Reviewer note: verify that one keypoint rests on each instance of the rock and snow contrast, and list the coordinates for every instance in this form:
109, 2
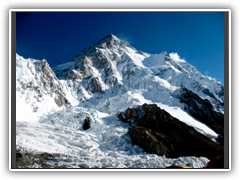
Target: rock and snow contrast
73, 109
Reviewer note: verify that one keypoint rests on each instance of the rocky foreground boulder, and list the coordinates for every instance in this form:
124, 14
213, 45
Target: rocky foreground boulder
29, 160
157, 132
86, 124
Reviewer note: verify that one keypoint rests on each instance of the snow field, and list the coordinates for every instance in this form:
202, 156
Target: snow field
105, 145
28, 100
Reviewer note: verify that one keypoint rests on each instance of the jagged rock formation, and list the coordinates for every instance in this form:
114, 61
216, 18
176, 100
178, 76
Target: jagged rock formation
93, 70
156, 131
36, 83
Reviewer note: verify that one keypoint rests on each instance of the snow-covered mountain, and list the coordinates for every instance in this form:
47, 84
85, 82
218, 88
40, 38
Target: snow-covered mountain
112, 76
100, 81
38, 90
113, 67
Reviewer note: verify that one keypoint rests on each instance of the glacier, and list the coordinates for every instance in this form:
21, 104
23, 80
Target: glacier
105, 145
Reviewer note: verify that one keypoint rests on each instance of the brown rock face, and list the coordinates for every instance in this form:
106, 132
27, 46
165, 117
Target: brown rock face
156, 131
130, 115
61, 100
151, 141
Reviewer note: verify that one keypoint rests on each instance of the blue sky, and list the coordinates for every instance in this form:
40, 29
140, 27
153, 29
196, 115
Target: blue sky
197, 37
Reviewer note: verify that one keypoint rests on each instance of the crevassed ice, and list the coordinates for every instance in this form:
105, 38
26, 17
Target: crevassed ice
105, 145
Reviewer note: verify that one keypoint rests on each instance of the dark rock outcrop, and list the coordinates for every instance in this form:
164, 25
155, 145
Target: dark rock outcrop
86, 124
156, 131
202, 110
130, 116
151, 141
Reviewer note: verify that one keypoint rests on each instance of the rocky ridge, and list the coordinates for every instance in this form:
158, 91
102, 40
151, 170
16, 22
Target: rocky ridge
37, 82
202, 110
112, 66
156, 131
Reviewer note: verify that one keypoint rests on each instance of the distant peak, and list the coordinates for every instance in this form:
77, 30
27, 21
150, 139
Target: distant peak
111, 36
108, 36
109, 41
115, 37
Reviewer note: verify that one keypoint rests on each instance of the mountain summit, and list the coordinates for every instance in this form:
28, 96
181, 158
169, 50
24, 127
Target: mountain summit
111, 41
112, 64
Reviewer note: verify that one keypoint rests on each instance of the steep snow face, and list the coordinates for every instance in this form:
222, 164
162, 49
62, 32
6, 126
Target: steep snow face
38, 91
112, 67
213, 86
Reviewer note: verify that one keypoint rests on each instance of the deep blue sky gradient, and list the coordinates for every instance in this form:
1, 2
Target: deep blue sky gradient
198, 37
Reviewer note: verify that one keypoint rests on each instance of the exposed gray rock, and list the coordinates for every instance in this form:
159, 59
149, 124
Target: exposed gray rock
73, 75
61, 100
156, 131
96, 85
